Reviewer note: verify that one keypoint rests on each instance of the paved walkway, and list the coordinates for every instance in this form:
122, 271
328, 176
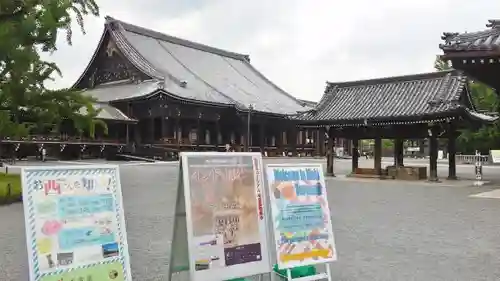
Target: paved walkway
384, 230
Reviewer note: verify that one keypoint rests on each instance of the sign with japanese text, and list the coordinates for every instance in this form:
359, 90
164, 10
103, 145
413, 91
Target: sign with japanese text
75, 226
224, 213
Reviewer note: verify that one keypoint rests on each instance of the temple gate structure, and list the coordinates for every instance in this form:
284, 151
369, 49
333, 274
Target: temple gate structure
429, 105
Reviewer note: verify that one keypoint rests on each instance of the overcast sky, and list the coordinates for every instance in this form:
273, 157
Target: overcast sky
297, 44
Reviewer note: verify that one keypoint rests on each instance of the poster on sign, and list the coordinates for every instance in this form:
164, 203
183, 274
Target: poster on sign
75, 227
300, 215
226, 225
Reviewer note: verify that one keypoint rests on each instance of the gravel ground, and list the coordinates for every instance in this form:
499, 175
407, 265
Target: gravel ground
384, 230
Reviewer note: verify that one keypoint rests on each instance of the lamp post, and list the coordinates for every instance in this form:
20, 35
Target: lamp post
250, 108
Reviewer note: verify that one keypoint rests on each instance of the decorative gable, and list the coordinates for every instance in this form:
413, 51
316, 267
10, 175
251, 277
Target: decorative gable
108, 65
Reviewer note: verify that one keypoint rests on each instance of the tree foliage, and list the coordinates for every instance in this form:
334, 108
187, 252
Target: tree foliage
28, 28
485, 100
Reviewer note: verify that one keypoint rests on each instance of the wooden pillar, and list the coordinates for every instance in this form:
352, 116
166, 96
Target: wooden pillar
262, 137
401, 153
279, 142
330, 155
152, 130
452, 151
178, 130
217, 133
355, 155
293, 140
321, 142
433, 154
129, 111
377, 156
246, 132
398, 152
303, 140
199, 131
316, 142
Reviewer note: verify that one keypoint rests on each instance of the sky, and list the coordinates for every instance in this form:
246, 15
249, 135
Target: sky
298, 44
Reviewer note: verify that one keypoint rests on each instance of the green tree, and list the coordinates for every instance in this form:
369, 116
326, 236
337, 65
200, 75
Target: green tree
441, 65
387, 144
27, 28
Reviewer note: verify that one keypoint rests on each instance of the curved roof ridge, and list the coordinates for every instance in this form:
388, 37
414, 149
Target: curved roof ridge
175, 40
131, 53
487, 39
393, 79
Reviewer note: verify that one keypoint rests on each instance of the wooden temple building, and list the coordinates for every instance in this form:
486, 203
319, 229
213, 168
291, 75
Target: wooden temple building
188, 96
430, 105
160, 95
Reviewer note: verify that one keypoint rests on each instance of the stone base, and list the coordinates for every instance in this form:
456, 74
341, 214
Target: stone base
392, 172
407, 173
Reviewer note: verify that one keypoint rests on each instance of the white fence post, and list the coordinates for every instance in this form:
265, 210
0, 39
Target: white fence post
478, 168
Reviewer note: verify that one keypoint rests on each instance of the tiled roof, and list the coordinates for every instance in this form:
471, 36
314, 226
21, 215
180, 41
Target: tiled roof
108, 112
308, 103
124, 91
486, 40
412, 97
194, 71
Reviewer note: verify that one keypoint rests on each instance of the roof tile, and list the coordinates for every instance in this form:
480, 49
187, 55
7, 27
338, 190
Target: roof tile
210, 74
486, 40
386, 98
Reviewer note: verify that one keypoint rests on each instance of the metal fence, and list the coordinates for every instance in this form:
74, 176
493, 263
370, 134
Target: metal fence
471, 159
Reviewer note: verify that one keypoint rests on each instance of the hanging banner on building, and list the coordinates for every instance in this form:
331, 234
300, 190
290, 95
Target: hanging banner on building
75, 226
300, 215
226, 225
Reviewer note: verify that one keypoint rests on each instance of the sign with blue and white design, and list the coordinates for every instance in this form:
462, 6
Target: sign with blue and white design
75, 227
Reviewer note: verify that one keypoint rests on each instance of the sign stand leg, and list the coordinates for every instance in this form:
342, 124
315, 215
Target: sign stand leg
289, 274
328, 272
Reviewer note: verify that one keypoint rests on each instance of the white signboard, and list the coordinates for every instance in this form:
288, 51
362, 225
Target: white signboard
303, 232
495, 156
75, 227
224, 217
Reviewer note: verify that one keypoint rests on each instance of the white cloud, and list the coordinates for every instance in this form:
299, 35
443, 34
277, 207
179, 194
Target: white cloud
298, 44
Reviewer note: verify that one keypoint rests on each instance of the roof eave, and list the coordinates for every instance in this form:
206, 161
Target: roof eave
117, 120
479, 117
388, 120
464, 54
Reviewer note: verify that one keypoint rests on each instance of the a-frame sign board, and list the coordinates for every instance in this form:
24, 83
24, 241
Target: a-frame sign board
219, 226
301, 220
179, 254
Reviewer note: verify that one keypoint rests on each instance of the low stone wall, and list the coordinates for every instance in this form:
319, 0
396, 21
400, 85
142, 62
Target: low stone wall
7, 169
391, 172
407, 173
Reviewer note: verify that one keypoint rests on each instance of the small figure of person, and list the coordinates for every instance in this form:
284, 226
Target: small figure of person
44, 154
